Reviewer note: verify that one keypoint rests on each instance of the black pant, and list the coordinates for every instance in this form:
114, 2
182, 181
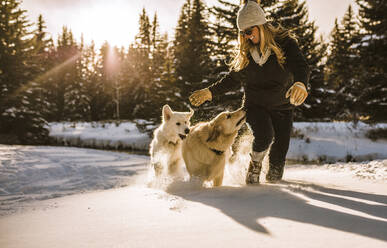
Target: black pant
268, 125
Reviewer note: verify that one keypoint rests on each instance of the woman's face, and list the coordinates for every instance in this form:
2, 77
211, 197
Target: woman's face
252, 34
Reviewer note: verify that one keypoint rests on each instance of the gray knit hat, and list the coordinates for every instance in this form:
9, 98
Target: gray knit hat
250, 14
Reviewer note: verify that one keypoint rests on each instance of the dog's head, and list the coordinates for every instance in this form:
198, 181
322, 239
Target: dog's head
226, 123
177, 124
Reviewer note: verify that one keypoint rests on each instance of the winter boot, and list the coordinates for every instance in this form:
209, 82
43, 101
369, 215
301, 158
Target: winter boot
255, 166
275, 173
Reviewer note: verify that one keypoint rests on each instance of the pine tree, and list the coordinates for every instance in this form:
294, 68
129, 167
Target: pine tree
107, 68
63, 74
91, 82
42, 43
132, 87
14, 46
94, 84
143, 67
199, 43
42, 62
343, 67
224, 32
158, 51
163, 84
99, 89
373, 52
76, 106
159, 46
192, 48
20, 121
144, 46
293, 15
155, 33
181, 46
169, 87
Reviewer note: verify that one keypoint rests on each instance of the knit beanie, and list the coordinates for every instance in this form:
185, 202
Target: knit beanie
250, 14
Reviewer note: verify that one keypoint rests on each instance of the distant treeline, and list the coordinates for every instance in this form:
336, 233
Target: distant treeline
42, 79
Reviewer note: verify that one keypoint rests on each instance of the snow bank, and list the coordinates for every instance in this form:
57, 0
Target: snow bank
317, 142
100, 135
338, 141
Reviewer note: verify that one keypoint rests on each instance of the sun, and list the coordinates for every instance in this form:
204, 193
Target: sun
104, 21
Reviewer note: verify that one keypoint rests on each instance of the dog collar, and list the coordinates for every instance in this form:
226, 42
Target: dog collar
217, 152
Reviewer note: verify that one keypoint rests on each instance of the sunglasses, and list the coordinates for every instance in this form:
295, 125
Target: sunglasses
247, 31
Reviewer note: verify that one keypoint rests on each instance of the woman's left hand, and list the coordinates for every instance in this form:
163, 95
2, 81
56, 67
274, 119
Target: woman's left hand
297, 93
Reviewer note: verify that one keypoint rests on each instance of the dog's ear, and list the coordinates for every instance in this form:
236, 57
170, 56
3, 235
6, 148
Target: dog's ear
191, 112
214, 132
167, 112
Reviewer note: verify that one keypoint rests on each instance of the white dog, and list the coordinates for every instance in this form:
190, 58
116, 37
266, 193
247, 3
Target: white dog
165, 148
208, 146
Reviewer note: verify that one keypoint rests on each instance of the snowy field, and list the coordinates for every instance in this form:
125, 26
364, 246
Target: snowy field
75, 197
30, 173
78, 197
100, 135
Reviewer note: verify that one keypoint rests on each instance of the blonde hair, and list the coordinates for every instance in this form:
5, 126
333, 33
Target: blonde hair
244, 1
268, 34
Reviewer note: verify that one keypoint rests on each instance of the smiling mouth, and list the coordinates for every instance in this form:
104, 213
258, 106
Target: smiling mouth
182, 136
241, 120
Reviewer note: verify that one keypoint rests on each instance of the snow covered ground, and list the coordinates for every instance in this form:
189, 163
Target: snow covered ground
29, 173
337, 141
78, 197
100, 135
321, 142
60, 197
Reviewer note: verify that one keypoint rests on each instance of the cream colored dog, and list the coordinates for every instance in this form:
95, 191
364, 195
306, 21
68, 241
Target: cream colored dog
165, 148
208, 145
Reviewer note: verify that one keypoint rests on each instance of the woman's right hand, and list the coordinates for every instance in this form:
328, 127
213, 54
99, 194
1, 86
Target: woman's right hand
200, 96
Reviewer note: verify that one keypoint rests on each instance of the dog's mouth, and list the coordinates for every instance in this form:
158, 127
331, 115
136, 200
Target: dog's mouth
182, 136
241, 120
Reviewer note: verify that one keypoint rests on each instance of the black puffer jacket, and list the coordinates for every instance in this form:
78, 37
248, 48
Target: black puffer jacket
267, 85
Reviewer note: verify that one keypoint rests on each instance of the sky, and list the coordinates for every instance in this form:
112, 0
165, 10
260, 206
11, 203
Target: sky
117, 20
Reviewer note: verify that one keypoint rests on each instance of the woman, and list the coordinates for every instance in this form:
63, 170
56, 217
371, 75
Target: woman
273, 71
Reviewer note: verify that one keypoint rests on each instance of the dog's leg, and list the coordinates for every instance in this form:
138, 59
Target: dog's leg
173, 167
196, 180
219, 179
158, 167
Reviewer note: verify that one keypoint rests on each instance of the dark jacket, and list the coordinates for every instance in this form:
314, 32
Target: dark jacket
266, 85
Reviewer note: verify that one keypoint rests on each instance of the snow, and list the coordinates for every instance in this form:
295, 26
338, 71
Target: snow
78, 197
100, 135
30, 173
340, 141
320, 142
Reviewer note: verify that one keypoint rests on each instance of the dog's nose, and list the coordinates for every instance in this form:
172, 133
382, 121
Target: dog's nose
186, 131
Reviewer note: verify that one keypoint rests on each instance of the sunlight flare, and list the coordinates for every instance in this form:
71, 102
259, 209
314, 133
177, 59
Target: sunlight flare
46, 75
107, 21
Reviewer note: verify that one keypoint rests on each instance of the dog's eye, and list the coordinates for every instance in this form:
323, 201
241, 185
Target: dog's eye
178, 123
228, 116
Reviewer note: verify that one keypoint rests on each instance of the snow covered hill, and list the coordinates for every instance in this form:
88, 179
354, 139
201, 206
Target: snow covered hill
60, 197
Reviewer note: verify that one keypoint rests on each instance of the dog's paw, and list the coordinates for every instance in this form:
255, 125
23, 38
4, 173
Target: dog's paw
158, 167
